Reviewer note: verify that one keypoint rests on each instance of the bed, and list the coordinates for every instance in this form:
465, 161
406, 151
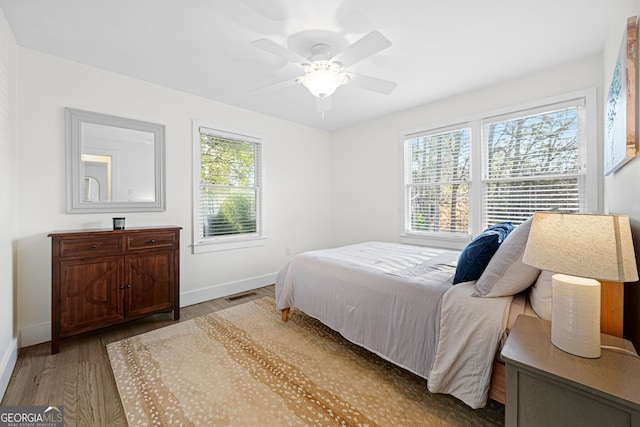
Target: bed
399, 302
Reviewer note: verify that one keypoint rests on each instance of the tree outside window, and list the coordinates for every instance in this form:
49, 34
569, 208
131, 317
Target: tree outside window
439, 173
229, 186
533, 164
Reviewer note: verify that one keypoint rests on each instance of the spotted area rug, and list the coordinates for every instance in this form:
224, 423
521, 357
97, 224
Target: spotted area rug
243, 366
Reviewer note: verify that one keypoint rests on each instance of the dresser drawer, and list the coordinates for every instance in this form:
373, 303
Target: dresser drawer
90, 246
153, 240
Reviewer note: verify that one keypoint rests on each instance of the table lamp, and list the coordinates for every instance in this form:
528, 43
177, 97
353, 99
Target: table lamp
580, 248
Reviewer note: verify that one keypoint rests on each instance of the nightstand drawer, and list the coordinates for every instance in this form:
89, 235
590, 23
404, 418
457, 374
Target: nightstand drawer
547, 402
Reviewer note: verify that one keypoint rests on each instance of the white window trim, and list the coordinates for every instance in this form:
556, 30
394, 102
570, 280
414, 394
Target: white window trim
593, 202
231, 242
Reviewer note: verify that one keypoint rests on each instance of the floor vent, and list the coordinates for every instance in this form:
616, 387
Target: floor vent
239, 296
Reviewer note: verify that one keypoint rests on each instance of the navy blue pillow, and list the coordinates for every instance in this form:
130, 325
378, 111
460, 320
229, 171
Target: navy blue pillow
476, 256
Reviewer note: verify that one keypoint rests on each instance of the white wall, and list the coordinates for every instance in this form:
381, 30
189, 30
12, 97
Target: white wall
367, 158
622, 189
8, 184
297, 181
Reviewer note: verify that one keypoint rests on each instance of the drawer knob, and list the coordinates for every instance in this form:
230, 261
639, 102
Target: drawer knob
93, 246
152, 241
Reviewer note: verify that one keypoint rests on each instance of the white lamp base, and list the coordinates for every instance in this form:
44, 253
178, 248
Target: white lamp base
575, 317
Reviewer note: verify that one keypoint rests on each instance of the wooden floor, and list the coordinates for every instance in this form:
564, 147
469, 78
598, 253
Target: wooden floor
80, 377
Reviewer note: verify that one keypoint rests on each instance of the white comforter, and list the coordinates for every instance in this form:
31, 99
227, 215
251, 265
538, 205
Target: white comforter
398, 301
470, 333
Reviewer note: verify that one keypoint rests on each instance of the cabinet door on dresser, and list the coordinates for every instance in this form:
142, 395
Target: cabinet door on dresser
90, 293
149, 283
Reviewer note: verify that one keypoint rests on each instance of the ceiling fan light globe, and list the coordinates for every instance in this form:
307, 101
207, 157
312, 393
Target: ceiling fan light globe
323, 83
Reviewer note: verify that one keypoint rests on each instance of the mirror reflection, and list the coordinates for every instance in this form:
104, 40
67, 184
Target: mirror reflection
115, 164
120, 160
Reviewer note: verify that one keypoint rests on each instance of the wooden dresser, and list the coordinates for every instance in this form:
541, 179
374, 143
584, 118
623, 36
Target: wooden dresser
104, 277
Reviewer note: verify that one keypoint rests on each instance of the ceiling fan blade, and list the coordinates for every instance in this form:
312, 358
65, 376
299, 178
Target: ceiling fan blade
372, 83
275, 85
365, 47
280, 51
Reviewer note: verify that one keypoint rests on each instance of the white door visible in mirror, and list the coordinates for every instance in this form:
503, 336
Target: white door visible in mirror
129, 155
115, 164
97, 177
91, 189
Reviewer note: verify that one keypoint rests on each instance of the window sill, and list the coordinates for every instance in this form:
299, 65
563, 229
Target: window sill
228, 244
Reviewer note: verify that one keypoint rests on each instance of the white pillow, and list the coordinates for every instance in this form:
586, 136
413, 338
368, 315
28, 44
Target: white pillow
540, 295
506, 274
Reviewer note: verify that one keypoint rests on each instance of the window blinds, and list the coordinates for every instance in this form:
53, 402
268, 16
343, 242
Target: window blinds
230, 188
533, 162
437, 175
525, 161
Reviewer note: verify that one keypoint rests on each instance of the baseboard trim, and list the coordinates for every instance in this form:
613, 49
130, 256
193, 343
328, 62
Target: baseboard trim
219, 291
37, 334
9, 359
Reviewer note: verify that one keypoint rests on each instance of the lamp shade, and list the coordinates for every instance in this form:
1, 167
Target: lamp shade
593, 246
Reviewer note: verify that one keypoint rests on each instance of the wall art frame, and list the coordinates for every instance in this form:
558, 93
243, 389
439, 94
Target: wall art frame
621, 122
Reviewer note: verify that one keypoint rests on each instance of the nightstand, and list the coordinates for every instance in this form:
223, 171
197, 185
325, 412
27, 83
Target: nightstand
549, 387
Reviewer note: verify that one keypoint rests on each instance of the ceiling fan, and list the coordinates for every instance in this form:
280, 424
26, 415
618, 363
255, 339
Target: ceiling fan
324, 72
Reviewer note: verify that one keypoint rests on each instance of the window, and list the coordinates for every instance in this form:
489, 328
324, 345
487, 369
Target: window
437, 180
498, 167
227, 189
534, 162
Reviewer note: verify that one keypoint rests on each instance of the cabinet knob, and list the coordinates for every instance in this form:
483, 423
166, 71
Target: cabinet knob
152, 241
128, 286
94, 246
121, 286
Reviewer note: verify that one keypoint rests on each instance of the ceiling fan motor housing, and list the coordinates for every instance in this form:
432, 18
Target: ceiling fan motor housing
320, 51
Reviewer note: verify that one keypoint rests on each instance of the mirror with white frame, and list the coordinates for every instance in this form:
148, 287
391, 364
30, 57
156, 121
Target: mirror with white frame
114, 164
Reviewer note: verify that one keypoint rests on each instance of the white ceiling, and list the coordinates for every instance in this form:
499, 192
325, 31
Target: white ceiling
440, 48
